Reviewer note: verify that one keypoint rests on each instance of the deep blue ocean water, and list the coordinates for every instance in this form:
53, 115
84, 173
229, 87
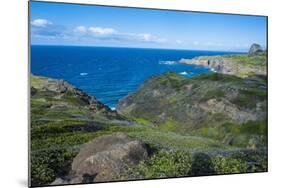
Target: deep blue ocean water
110, 73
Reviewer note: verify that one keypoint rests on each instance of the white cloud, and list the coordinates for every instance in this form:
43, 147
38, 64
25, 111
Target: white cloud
102, 31
40, 23
80, 29
147, 37
112, 34
43, 27
94, 30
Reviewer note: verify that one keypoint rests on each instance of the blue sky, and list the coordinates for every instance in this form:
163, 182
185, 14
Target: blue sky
83, 25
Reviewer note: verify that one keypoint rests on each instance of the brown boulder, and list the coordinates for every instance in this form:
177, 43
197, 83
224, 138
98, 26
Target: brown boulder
104, 158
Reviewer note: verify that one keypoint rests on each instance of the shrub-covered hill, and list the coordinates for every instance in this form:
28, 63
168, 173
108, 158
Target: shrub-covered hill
64, 119
224, 107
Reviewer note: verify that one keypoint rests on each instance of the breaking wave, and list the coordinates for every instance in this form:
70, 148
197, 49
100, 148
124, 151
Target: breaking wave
167, 62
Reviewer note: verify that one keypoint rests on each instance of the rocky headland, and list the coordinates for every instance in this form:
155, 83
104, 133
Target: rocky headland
242, 65
212, 101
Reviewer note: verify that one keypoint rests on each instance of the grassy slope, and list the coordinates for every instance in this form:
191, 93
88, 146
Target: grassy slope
175, 134
61, 123
258, 59
248, 65
177, 108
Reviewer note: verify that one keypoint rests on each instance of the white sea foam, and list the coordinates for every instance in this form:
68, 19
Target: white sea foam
83, 74
183, 73
186, 73
112, 108
167, 62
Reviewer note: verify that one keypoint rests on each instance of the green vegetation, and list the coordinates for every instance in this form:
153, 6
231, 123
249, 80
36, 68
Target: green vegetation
178, 122
161, 165
177, 163
185, 104
169, 125
248, 65
142, 121
172, 80
60, 124
249, 135
159, 139
258, 59
227, 165
204, 117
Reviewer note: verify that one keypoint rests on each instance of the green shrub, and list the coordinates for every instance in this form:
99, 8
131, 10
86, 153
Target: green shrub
201, 165
252, 134
164, 164
41, 174
223, 165
47, 164
256, 159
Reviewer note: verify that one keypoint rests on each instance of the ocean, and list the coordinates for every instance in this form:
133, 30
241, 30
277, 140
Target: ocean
111, 73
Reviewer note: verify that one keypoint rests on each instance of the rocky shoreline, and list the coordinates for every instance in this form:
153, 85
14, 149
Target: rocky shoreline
241, 65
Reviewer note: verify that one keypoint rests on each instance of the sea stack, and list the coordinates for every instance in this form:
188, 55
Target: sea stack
255, 48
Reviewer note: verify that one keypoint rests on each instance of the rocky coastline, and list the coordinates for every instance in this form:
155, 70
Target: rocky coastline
242, 65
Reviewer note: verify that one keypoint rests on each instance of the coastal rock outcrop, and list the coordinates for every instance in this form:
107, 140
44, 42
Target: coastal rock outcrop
104, 158
241, 65
255, 48
215, 63
61, 89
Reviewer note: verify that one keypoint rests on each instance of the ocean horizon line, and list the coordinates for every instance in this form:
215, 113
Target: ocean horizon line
124, 47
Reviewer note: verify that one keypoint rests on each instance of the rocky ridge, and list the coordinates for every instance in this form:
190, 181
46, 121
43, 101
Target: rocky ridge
60, 88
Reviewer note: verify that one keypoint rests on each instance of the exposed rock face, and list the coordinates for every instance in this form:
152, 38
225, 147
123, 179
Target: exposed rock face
215, 63
206, 100
59, 88
241, 65
255, 48
104, 158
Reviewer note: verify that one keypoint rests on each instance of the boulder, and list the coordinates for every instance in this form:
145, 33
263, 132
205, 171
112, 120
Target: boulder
104, 158
255, 48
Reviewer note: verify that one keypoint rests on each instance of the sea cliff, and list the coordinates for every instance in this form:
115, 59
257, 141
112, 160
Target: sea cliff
241, 65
